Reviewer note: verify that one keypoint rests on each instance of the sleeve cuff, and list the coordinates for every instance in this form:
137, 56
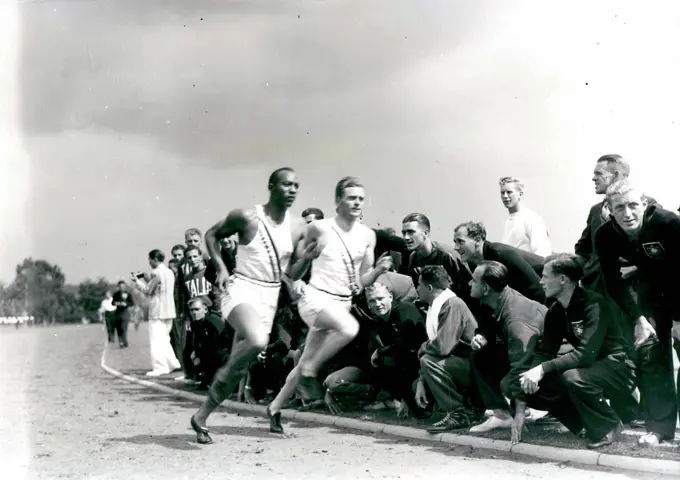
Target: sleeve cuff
549, 366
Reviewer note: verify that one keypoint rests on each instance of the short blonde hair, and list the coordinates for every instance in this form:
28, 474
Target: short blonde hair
507, 180
374, 287
622, 187
191, 232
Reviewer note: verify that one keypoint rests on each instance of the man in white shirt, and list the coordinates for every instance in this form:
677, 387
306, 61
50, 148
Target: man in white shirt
524, 229
107, 314
160, 291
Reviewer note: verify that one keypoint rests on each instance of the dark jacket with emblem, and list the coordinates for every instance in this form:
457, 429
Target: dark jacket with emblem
586, 249
590, 324
656, 254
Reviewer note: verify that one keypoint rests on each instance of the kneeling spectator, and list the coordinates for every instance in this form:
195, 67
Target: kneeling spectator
444, 357
211, 340
399, 331
507, 336
347, 376
574, 387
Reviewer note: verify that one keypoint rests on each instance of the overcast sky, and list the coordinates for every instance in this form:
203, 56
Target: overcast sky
123, 122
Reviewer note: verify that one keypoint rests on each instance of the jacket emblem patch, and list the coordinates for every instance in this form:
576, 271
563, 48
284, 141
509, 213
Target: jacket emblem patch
577, 327
653, 250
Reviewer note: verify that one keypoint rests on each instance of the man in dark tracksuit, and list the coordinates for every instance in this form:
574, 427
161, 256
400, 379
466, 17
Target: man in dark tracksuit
503, 340
608, 169
523, 267
423, 252
211, 340
393, 332
574, 387
399, 330
647, 237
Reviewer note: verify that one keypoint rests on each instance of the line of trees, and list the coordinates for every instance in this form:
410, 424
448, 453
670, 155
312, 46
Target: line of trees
40, 290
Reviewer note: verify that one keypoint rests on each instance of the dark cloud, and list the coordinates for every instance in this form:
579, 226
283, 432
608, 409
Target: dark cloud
249, 78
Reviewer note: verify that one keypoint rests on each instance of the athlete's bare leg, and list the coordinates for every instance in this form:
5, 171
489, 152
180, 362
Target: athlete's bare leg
340, 328
331, 333
312, 343
250, 339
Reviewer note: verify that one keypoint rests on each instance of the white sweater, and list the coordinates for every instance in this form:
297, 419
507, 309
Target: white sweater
526, 230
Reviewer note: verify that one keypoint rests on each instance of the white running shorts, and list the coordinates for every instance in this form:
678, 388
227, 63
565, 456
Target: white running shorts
263, 297
313, 301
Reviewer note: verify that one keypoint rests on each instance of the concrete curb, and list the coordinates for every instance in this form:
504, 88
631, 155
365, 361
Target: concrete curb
583, 457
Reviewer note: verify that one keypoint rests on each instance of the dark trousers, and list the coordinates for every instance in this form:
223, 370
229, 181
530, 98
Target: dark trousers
210, 362
350, 386
395, 374
450, 382
489, 366
188, 367
577, 398
178, 337
654, 362
122, 319
110, 320
268, 374
554, 398
610, 378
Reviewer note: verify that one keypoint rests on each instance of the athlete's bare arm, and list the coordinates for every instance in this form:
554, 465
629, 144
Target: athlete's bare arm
367, 271
306, 249
299, 234
240, 221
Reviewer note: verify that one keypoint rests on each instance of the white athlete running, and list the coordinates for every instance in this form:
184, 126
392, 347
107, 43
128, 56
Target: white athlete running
340, 251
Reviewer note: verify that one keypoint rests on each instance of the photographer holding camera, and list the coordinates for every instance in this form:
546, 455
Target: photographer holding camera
160, 291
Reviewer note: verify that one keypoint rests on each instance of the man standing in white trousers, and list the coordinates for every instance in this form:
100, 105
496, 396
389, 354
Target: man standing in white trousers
160, 291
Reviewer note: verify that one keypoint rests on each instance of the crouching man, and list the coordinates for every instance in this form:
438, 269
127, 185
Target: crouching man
505, 340
399, 331
444, 357
211, 340
574, 387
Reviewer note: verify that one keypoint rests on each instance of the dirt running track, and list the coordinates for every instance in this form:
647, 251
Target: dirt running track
61, 416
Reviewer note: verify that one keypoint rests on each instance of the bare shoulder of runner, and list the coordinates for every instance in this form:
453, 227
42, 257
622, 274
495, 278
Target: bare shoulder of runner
244, 222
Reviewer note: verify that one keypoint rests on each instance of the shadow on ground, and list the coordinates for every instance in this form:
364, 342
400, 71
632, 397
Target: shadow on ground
539, 435
187, 442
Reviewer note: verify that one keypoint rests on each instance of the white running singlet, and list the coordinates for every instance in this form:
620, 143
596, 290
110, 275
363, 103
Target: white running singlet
257, 276
337, 268
257, 260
